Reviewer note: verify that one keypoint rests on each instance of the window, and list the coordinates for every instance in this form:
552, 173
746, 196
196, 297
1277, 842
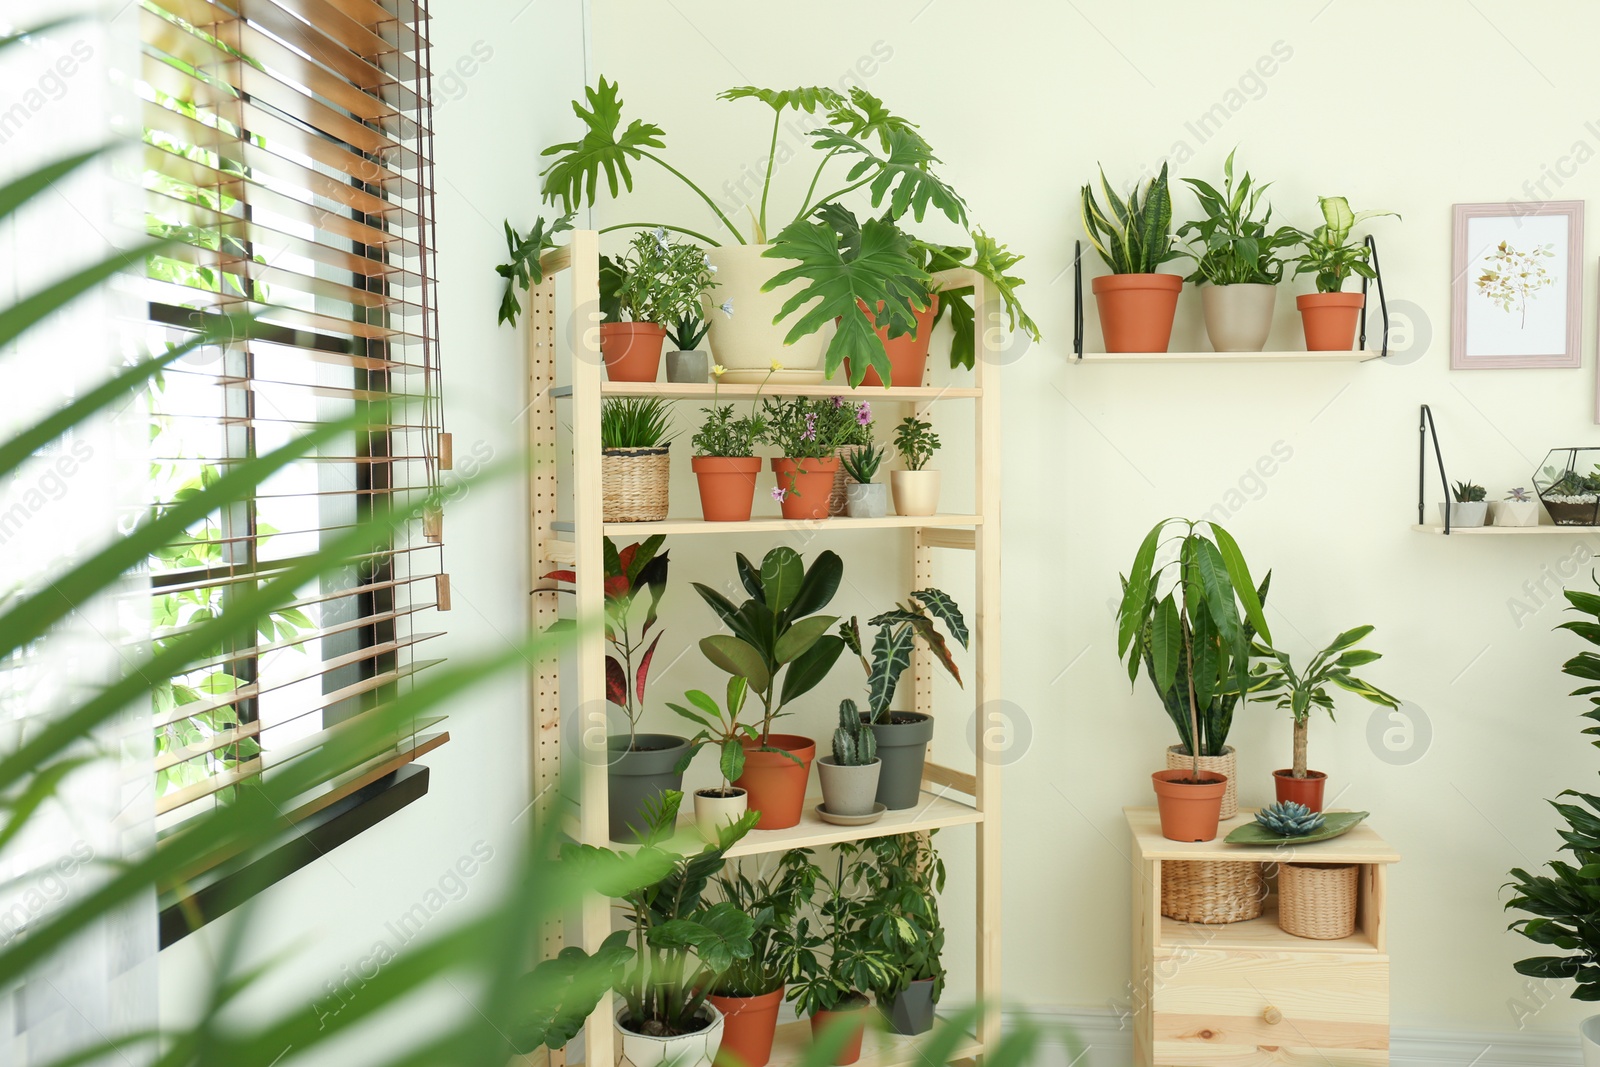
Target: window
287, 154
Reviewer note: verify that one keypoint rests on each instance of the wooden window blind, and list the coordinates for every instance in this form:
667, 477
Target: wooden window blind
288, 156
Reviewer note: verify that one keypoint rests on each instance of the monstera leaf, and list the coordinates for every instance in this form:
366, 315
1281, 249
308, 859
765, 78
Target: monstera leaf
807, 98
903, 176
884, 270
575, 175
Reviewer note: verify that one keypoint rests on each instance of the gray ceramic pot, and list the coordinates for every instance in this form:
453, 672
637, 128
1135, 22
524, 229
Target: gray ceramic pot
870, 501
902, 748
911, 1011
638, 775
688, 368
848, 790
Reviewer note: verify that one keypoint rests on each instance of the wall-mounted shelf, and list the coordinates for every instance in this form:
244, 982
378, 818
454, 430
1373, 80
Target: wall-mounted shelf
1353, 356
1495, 531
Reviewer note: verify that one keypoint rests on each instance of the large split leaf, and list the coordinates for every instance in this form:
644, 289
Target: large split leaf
903, 176
574, 177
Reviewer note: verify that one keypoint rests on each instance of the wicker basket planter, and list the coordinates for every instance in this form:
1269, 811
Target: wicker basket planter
1317, 900
1225, 764
836, 500
1201, 891
633, 484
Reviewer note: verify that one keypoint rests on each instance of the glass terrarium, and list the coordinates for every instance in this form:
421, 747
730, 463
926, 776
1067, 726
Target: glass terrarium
1569, 485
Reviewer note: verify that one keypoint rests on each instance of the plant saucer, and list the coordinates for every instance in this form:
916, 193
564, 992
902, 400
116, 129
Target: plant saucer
1334, 824
851, 820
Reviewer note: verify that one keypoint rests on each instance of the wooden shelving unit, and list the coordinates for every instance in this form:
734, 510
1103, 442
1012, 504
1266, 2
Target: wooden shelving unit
952, 796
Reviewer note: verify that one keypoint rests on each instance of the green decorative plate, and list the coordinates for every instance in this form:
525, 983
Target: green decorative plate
1334, 823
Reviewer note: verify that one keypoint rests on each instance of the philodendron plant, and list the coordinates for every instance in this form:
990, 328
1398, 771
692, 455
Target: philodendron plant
897, 635
1136, 236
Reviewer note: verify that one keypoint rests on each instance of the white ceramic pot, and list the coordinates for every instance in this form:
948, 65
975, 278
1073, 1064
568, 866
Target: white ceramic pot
915, 492
849, 790
712, 813
686, 1050
1514, 512
746, 342
1589, 1034
1238, 317
1465, 516
870, 501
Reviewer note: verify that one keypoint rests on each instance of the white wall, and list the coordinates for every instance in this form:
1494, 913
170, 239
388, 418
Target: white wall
504, 70
1408, 107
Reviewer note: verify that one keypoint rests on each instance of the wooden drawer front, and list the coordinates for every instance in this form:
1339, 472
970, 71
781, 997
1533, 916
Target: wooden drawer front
1211, 1009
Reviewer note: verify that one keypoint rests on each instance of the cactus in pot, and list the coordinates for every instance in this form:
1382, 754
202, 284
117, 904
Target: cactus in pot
1468, 507
850, 775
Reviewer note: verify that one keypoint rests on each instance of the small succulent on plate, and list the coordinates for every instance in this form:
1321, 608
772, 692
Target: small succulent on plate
1290, 819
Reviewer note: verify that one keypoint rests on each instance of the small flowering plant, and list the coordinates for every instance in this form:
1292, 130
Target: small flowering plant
813, 428
725, 434
661, 281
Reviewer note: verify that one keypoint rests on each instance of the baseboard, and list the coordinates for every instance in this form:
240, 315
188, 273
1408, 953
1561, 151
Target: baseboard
1088, 1037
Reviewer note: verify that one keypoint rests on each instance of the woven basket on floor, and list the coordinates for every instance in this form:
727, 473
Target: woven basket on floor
633, 484
836, 499
1317, 900
1225, 765
1202, 891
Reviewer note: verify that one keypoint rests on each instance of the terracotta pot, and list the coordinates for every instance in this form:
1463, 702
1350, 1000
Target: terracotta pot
1227, 765
1189, 812
807, 485
748, 1026
1136, 310
1307, 790
631, 350
1329, 320
727, 486
908, 353
822, 1021
747, 341
914, 492
776, 783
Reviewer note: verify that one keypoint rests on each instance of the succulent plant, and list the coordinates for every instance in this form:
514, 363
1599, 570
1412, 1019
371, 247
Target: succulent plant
862, 464
1519, 495
1289, 819
853, 742
1470, 493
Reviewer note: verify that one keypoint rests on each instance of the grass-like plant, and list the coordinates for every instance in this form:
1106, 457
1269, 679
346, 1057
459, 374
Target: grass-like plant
635, 422
1135, 236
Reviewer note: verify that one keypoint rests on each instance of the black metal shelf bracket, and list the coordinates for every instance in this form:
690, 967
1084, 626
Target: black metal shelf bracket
1383, 304
1425, 429
1077, 299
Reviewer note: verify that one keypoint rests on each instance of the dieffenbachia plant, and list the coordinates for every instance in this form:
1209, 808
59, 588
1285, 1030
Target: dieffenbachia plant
1328, 252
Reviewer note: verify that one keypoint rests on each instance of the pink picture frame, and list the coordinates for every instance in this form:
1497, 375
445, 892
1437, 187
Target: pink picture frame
1516, 296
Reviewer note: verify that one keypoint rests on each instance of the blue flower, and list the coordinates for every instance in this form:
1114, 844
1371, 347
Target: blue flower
727, 308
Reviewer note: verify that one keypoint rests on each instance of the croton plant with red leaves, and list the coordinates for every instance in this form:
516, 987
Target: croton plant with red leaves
637, 568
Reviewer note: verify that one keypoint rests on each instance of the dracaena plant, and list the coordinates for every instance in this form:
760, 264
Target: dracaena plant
1186, 603
896, 639
637, 571
1135, 235
1297, 692
1231, 246
1329, 253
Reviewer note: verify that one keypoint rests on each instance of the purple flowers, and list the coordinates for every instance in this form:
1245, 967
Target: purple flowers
811, 427
838, 402
863, 413
778, 493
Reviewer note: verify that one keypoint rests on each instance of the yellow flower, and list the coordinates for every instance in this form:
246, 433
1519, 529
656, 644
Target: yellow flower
718, 369
776, 366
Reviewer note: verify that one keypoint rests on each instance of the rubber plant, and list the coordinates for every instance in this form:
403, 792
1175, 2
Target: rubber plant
898, 630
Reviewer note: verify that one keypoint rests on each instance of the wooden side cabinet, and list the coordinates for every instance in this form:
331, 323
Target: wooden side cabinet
1247, 994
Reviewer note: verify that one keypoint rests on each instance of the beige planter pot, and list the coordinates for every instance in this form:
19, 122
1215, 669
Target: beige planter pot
1238, 317
1225, 764
746, 342
713, 813
915, 492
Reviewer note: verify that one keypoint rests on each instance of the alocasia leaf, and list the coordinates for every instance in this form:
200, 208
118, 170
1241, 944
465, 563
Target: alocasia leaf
574, 177
940, 604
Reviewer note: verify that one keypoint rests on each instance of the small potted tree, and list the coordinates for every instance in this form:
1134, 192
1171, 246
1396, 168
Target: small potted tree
1136, 303
808, 432
838, 964
781, 644
725, 463
850, 775
906, 877
1194, 603
915, 489
656, 283
718, 806
1519, 508
1469, 506
635, 458
1329, 315
903, 736
1298, 692
864, 498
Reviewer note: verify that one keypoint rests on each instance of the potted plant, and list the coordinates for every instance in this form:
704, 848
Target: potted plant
1564, 905
749, 992
718, 806
1300, 692
1194, 602
1468, 507
906, 877
1136, 303
656, 283
864, 498
856, 435
635, 458
688, 363
725, 463
1572, 499
680, 942
836, 966
1517, 509
1236, 261
850, 776
903, 736
808, 432
1329, 315
640, 767
915, 489
782, 645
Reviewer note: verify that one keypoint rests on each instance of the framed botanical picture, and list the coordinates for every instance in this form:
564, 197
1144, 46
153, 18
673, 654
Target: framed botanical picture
1517, 298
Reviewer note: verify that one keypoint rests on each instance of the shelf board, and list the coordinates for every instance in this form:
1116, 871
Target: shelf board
934, 811
1360, 355
777, 525
1260, 934
1495, 531
705, 391
878, 1048
1360, 845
